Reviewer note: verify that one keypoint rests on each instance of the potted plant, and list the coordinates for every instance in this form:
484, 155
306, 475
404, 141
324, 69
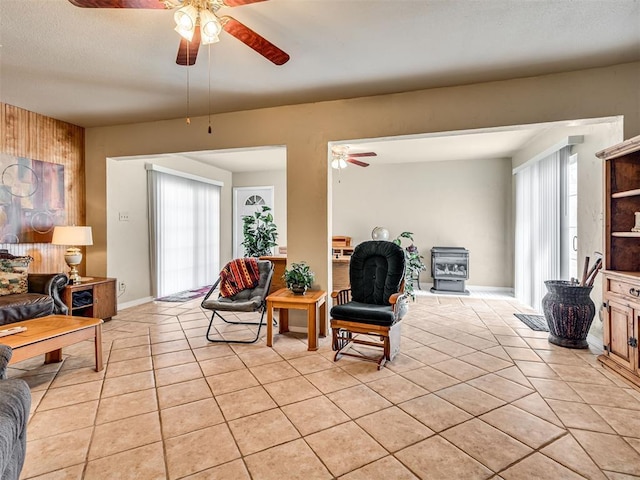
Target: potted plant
298, 278
259, 233
413, 262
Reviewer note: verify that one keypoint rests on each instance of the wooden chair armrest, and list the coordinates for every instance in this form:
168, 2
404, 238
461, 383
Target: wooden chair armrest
341, 296
393, 299
335, 293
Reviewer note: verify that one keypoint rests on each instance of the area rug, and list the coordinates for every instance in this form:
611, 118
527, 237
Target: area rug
185, 295
534, 322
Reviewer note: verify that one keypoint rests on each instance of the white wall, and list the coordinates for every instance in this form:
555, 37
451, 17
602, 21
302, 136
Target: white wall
128, 258
454, 204
277, 178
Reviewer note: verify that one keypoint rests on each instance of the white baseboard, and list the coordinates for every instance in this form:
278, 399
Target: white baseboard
134, 303
473, 290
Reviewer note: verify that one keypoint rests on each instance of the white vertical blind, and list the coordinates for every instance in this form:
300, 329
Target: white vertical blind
184, 224
539, 217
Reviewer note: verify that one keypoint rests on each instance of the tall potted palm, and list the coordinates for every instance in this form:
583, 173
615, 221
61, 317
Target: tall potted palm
259, 233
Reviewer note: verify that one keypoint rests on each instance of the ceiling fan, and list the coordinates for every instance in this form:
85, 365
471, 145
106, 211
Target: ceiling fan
198, 21
341, 156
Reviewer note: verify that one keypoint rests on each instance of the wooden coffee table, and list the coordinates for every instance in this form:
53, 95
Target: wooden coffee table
48, 335
314, 302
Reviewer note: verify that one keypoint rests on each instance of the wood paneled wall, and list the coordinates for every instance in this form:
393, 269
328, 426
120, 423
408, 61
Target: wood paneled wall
30, 135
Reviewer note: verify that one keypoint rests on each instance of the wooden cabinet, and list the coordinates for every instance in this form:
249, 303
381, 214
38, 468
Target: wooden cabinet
340, 278
279, 265
94, 297
621, 328
341, 246
621, 274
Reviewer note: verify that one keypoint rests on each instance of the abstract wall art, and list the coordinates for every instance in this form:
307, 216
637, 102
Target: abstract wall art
31, 199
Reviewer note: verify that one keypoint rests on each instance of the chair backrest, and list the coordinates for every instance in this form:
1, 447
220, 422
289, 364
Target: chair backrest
265, 267
376, 271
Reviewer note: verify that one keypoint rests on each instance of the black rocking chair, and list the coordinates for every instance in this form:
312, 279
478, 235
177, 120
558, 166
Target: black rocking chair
371, 306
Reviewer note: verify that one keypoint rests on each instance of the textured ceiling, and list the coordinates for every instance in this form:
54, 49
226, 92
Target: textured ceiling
96, 67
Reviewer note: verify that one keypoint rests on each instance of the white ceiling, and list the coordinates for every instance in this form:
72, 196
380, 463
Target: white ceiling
96, 67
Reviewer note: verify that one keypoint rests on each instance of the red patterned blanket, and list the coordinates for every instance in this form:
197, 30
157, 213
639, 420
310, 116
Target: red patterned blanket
237, 275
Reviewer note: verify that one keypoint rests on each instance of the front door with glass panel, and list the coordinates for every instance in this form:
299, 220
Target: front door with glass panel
247, 201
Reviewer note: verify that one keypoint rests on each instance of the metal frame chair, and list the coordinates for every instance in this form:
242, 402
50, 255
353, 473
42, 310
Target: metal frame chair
248, 300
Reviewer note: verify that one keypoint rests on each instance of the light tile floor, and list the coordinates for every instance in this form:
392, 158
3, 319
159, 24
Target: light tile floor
473, 394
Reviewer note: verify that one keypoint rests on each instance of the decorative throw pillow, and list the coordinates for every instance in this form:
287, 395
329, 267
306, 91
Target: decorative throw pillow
13, 275
16, 264
11, 283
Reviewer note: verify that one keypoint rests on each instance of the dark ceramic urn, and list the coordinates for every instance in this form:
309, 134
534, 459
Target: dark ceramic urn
569, 312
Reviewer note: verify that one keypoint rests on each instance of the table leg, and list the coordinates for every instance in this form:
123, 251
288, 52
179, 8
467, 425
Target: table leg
323, 319
312, 326
283, 320
269, 324
54, 356
98, 348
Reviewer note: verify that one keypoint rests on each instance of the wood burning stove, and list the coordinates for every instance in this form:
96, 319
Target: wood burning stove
449, 269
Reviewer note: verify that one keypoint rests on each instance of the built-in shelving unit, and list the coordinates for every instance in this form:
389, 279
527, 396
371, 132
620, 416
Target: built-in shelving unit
628, 193
621, 308
626, 234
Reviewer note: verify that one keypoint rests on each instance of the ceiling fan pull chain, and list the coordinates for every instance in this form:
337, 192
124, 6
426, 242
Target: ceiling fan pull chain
209, 99
188, 119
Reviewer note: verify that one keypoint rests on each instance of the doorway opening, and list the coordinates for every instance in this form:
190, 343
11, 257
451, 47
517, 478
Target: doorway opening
457, 189
247, 201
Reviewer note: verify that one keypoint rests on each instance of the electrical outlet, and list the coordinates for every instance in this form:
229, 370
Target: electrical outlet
123, 216
122, 286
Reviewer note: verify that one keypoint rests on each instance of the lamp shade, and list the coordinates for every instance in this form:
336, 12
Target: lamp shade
186, 19
72, 236
338, 163
210, 27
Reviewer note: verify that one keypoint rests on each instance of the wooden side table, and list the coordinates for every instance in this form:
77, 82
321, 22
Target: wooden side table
314, 302
93, 297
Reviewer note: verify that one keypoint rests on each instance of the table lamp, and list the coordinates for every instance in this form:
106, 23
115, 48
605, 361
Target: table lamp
72, 237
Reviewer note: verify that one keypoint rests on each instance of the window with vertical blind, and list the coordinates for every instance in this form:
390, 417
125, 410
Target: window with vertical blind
541, 221
184, 227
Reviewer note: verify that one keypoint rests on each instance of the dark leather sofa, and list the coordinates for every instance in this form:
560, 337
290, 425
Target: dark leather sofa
15, 402
42, 298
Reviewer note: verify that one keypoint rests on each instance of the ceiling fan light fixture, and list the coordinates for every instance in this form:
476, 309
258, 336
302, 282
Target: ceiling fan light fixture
210, 27
338, 163
186, 18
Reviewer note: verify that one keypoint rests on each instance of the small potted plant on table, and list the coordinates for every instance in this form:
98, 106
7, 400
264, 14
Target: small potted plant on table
298, 278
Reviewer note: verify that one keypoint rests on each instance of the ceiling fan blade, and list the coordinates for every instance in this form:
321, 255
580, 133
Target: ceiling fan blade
238, 3
118, 4
364, 154
188, 50
357, 162
250, 38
